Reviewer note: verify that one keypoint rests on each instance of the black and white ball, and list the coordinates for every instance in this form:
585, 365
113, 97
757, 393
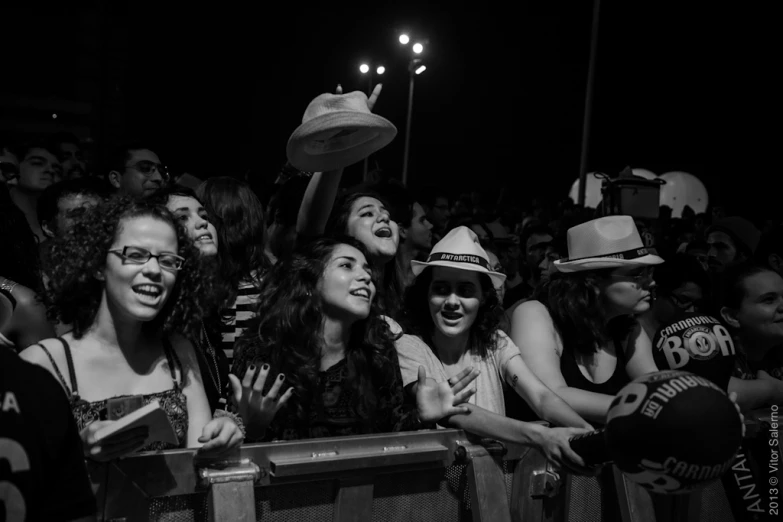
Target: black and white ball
673, 431
698, 344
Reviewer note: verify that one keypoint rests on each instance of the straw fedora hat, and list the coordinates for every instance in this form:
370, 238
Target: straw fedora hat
337, 130
459, 249
607, 242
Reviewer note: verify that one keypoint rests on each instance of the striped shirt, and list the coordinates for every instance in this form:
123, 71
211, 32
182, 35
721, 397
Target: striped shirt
237, 317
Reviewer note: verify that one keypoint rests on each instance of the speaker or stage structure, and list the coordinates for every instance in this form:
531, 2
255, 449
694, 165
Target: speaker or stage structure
630, 195
422, 476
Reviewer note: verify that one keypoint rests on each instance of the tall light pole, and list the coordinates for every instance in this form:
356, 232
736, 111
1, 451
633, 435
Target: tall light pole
415, 67
365, 69
588, 105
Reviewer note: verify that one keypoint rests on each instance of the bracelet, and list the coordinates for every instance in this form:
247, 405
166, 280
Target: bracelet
233, 416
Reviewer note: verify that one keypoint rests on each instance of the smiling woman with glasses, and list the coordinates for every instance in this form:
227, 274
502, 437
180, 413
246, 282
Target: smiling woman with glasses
130, 282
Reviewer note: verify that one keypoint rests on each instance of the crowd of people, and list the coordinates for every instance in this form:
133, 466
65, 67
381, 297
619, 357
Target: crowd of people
305, 309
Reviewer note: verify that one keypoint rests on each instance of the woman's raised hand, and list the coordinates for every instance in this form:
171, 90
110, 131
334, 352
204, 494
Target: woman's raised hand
256, 409
436, 400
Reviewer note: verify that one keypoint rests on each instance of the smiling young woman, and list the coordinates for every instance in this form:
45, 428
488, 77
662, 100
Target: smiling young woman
318, 359
452, 311
129, 281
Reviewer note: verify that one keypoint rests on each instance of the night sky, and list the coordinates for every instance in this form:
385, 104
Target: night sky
501, 102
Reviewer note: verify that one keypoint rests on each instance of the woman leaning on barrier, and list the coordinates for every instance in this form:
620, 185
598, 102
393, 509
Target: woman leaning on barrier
318, 359
127, 279
453, 315
580, 335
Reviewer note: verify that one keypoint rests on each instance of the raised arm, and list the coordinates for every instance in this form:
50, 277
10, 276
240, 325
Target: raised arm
322, 190
317, 203
534, 333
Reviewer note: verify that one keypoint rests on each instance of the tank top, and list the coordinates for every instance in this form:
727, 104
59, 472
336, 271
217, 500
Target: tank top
574, 377
172, 401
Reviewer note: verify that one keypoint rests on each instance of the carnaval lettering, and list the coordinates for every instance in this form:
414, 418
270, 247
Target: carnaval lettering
666, 392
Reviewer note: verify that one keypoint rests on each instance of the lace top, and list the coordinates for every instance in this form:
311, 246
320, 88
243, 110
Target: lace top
173, 401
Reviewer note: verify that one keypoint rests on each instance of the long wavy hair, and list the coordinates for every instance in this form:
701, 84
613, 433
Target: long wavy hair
418, 321
287, 333
390, 281
578, 311
224, 292
75, 293
238, 216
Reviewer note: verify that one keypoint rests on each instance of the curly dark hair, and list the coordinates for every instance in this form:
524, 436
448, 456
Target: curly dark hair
418, 321
286, 333
238, 216
576, 306
75, 293
389, 282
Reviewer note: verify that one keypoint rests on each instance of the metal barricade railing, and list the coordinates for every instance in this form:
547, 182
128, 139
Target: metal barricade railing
426, 475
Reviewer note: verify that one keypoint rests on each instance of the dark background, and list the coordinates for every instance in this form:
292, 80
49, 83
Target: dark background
679, 86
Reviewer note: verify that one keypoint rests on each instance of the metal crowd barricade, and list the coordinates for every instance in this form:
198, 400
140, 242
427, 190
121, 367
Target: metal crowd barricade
429, 475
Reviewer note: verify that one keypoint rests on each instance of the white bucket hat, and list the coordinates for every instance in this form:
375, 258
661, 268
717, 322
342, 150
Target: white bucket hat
337, 130
460, 249
607, 242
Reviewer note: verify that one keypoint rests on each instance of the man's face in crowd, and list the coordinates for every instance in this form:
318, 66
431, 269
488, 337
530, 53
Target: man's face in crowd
9, 167
419, 233
722, 252
439, 213
700, 255
70, 209
547, 265
38, 169
508, 254
535, 250
72, 160
143, 174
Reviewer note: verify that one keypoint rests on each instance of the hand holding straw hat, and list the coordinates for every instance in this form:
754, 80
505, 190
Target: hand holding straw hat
339, 130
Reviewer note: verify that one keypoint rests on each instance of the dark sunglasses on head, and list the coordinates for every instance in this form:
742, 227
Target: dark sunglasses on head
9, 170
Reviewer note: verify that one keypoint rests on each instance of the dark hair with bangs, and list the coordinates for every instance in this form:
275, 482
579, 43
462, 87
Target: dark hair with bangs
389, 279
418, 321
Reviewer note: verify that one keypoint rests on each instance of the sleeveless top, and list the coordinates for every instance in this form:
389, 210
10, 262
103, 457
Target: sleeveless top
173, 401
575, 379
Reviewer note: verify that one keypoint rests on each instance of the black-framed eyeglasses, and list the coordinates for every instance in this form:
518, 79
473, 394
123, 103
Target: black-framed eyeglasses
140, 256
147, 168
9, 170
